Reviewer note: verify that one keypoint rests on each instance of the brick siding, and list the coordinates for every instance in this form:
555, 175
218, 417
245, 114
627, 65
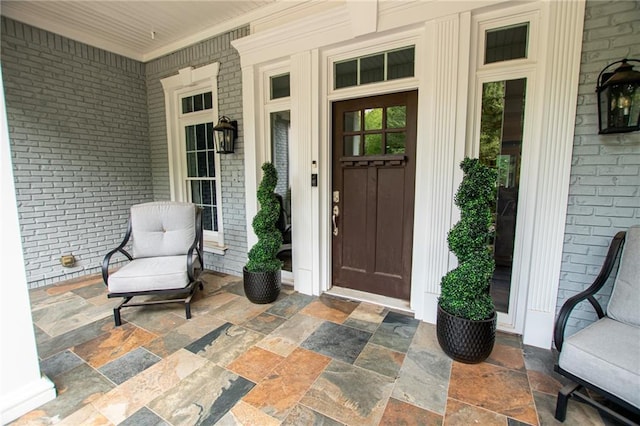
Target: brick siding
78, 127
604, 193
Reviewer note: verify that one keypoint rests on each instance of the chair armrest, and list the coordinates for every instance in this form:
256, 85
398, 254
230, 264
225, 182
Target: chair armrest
197, 246
614, 250
120, 248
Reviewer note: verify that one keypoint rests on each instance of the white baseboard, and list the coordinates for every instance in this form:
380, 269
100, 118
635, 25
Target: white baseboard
26, 398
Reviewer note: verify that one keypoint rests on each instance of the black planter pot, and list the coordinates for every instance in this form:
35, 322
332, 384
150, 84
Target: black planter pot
261, 287
465, 340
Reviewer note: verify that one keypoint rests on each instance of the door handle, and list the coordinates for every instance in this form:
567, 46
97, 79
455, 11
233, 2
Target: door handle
334, 216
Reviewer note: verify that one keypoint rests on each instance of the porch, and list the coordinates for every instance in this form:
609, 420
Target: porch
300, 360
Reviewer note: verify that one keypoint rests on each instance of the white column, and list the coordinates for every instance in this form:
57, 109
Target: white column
303, 221
561, 69
22, 387
251, 156
440, 141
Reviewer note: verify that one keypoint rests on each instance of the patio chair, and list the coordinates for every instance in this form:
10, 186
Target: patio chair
605, 356
166, 259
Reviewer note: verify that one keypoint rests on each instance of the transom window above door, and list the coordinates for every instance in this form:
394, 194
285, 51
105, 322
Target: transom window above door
383, 66
506, 43
375, 131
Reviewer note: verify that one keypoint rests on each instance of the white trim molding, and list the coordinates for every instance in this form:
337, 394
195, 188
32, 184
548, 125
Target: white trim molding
446, 75
561, 68
187, 82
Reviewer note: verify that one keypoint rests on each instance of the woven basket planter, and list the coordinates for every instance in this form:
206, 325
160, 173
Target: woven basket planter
261, 287
465, 340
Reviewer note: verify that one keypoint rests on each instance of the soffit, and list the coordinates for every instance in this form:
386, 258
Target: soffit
142, 30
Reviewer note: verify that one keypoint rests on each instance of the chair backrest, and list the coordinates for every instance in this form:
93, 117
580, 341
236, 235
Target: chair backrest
624, 304
162, 228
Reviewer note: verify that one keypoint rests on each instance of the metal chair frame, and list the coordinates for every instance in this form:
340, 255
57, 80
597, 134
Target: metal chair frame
193, 272
574, 389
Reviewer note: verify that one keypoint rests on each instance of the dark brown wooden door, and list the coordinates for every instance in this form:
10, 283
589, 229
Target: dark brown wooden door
374, 145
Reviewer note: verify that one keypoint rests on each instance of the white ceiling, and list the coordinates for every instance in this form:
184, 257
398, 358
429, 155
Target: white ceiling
142, 30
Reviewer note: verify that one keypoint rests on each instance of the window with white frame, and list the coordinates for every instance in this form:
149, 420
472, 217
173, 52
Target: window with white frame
194, 167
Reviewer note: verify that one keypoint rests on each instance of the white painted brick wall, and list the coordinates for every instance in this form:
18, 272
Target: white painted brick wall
604, 193
217, 49
79, 138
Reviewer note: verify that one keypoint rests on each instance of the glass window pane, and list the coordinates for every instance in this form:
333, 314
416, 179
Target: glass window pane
397, 117
190, 137
373, 119
208, 100
280, 86
214, 198
400, 63
187, 105
396, 143
206, 193
346, 73
202, 163
373, 144
201, 141
192, 164
352, 146
198, 102
352, 121
211, 160
207, 219
503, 44
210, 142
371, 69
195, 192
280, 128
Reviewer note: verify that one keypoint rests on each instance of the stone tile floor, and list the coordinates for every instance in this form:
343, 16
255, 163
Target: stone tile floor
299, 361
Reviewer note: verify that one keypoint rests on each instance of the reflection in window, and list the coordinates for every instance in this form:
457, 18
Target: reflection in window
383, 132
503, 44
199, 102
280, 86
201, 171
280, 123
384, 66
373, 144
352, 146
501, 131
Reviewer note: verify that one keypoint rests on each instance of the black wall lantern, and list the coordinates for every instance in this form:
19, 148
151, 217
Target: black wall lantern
619, 98
226, 133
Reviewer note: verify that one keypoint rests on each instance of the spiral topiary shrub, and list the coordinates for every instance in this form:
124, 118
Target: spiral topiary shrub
262, 256
465, 289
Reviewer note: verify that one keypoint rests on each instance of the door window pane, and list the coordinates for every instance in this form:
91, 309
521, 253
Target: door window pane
503, 44
373, 144
397, 117
352, 146
352, 121
396, 143
373, 119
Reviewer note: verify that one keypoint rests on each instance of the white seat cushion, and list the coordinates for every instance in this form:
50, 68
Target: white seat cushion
162, 228
150, 273
606, 354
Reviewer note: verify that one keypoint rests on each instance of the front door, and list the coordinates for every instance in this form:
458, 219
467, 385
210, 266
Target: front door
374, 146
